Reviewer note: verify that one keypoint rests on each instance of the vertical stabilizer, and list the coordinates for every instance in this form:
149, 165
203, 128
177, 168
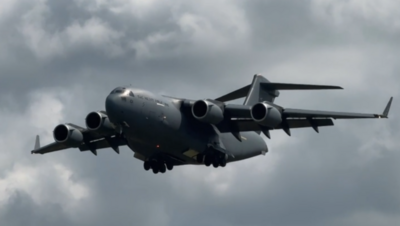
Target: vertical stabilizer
257, 94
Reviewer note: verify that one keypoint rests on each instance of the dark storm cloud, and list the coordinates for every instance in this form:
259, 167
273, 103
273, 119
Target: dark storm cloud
312, 179
22, 210
87, 62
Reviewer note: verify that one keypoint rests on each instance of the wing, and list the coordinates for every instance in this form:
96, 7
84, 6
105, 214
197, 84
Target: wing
92, 141
240, 118
300, 113
236, 126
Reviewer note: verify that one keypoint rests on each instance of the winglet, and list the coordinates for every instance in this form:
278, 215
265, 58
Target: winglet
37, 145
37, 142
386, 111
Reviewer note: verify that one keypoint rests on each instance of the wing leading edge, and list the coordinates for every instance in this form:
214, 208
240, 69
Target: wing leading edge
241, 125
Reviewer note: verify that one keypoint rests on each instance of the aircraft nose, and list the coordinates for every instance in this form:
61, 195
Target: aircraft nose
112, 104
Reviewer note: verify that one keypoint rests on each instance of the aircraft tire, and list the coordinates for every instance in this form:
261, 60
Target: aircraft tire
146, 165
207, 160
215, 162
155, 170
222, 162
170, 166
154, 167
162, 168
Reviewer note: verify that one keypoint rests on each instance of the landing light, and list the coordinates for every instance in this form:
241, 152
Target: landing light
158, 146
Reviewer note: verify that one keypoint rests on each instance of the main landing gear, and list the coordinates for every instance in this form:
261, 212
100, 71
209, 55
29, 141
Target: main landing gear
157, 166
215, 158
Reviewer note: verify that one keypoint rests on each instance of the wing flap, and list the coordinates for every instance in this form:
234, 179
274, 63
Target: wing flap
302, 123
250, 125
300, 113
113, 142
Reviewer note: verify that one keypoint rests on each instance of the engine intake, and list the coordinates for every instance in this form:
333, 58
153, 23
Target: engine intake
98, 121
207, 112
266, 115
68, 135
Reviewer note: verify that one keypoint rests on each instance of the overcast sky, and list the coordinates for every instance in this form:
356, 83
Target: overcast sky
59, 59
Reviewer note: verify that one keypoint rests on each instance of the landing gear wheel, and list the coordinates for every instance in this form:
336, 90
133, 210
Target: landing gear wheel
222, 161
169, 166
154, 167
162, 168
146, 165
155, 170
207, 160
215, 162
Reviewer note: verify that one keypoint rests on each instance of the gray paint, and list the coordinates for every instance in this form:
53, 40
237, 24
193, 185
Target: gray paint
163, 129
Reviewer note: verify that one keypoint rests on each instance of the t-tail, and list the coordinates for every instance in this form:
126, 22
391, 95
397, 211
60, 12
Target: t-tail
258, 92
261, 90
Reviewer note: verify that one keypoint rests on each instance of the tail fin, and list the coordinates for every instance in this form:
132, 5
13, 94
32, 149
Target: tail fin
257, 93
263, 90
254, 93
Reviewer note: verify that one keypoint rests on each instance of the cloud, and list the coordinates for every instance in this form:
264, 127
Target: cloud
41, 192
93, 33
382, 13
60, 59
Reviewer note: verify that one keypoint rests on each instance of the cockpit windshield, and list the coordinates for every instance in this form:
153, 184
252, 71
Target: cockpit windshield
118, 90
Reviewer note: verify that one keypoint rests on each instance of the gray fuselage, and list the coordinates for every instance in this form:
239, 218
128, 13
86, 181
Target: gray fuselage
154, 125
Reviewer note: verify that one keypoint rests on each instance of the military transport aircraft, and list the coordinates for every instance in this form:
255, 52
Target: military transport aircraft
164, 131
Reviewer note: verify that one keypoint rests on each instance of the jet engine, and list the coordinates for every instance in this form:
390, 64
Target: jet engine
98, 121
207, 112
68, 134
266, 115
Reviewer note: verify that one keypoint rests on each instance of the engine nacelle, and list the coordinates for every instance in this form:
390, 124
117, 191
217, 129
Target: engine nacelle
266, 115
67, 134
207, 112
98, 121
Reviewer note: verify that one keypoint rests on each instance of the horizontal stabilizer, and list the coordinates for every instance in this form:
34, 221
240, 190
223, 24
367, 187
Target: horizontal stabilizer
266, 86
289, 86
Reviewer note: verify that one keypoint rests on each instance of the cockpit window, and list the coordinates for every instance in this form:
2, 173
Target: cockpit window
131, 94
118, 90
